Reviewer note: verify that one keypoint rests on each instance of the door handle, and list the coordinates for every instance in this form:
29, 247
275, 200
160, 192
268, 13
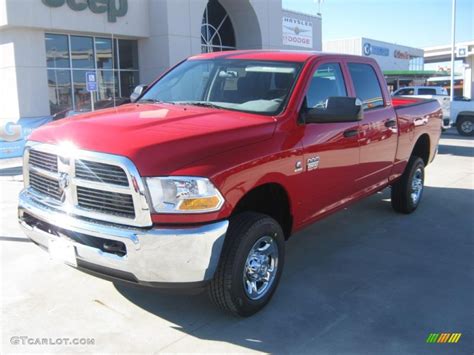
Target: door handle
351, 133
391, 123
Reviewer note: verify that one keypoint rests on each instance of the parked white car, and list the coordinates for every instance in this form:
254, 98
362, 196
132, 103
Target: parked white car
438, 93
462, 116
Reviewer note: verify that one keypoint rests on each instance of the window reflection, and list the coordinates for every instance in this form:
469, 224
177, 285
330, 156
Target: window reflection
82, 52
59, 86
57, 51
103, 47
82, 97
108, 84
70, 57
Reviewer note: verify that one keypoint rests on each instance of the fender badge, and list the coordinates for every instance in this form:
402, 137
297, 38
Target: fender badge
298, 166
312, 163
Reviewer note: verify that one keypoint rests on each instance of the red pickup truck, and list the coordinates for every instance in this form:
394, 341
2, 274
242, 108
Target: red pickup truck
199, 182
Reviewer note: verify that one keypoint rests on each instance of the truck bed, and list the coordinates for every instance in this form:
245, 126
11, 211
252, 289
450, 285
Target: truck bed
416, 116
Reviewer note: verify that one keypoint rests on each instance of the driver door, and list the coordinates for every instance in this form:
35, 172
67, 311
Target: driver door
331, 150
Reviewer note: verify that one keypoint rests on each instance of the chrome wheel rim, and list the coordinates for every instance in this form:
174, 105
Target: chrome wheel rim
466, 126
416, 186
260, 268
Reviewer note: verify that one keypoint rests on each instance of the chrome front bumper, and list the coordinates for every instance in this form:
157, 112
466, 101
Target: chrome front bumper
153, 256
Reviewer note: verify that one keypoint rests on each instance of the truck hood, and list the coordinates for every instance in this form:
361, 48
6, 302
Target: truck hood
159, 138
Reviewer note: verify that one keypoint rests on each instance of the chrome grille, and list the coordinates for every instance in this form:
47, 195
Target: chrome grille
86, 184
44, 160
106, 202
106, 173
45, 185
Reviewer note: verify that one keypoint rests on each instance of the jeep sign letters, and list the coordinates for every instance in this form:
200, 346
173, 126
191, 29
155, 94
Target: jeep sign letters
114, 8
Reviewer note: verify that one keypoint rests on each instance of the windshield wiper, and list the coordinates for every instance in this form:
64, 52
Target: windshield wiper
200, 103
155, 101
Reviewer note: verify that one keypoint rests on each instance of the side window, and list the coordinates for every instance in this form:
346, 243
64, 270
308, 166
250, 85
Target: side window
426, 91
366, 85
405, 92
327, 81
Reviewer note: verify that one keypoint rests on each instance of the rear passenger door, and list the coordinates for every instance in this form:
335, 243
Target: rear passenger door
378, 135
331, 151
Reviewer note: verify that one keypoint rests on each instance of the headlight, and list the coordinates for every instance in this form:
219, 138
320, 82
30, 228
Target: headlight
181, 194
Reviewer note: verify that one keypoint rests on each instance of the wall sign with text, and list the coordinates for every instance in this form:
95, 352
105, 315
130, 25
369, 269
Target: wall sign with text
370, 49
298, 33
113, 8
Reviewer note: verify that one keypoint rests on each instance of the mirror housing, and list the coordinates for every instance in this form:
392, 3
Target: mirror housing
337, 109
137, 92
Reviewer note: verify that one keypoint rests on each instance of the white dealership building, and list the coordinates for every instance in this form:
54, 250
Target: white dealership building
389, 56
48, 46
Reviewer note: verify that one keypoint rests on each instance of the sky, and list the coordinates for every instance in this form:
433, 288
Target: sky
415, 23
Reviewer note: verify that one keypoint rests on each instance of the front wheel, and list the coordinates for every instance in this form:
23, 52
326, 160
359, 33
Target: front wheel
465, 126
408, 190
251, 264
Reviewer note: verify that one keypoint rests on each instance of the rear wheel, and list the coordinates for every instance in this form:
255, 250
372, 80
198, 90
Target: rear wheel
250, 266
465, 126
408, 190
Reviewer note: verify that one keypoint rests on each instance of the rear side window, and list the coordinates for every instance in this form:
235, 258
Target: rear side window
327, 81
425, 91
366, 85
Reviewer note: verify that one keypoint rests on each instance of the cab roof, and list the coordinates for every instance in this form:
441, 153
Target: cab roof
262, 54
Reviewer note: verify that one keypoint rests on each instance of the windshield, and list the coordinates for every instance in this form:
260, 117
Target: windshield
243, 85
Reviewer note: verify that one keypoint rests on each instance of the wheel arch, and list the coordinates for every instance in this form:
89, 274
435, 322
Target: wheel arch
464, 114
270, 198
422, 148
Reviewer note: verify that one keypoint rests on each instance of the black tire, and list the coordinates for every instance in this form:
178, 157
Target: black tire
402, 190
227, 289
465, 126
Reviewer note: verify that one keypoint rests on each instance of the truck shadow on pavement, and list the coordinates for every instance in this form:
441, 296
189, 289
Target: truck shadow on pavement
364, 280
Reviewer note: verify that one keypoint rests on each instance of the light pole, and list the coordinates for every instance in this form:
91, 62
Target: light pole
453, 46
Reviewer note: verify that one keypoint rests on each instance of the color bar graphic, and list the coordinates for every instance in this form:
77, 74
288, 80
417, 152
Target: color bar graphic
443, 337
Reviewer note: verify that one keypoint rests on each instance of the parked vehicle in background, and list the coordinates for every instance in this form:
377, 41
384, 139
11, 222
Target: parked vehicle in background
202, 179
421, 90
462, 116
438, 93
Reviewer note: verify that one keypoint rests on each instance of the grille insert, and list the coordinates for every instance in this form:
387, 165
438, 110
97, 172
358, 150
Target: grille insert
45, 185
100, 172
106, 202
46, 161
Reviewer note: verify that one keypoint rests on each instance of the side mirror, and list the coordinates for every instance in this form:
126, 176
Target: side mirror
137, 92
336, 109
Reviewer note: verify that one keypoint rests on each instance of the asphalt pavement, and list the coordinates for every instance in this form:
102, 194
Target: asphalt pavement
365, 280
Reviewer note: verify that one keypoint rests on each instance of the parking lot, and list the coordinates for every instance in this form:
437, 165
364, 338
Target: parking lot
365, 280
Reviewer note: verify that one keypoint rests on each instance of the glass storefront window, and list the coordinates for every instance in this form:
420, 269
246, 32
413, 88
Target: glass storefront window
103, 47
128, 54
128, 81
82, 97
82, 52
59, 86
115, 62
57, 51
108, 84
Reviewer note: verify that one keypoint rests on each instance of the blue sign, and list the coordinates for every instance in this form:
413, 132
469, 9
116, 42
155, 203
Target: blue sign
370, 49
91, 81
13, 135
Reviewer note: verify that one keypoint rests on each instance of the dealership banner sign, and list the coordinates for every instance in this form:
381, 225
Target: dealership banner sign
297, 33
13, 135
